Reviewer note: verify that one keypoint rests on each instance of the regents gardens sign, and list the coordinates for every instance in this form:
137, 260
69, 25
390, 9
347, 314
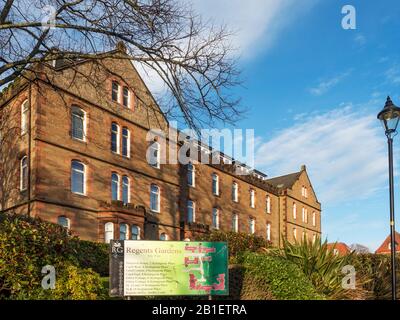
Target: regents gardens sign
157, 268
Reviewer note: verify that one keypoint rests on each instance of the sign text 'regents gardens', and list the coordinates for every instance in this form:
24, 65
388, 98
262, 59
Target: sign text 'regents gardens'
156, 268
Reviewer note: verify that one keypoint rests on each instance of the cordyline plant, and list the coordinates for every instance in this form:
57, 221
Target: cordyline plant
322, 267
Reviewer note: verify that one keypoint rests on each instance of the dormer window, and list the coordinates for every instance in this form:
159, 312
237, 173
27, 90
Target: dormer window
125, 97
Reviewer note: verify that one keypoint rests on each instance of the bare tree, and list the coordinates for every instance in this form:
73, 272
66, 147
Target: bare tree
193, 58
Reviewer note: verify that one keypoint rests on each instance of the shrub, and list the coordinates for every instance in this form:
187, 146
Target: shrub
282, 278
92, 255
27, 245
237, 242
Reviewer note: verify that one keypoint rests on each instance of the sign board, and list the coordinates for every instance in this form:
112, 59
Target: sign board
157, 268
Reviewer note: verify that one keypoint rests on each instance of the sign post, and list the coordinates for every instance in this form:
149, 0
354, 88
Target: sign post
164, 268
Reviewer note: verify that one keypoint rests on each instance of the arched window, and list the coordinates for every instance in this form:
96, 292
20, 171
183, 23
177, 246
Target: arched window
123, 231
252, 198
235, 192
24, 117
191, 176
135, 232
78, 177
235, 222
314, 219
126, 142
268, 204
125, 97
215, 184
115, 137
163, 236
64, 222
108, 232
252, 225
269, 231
215, 218
78, 123
115, 91
294, 233
305, 215
23, 180
154, 198
294, 211
154, 154
125, 189
191, 211
114, 186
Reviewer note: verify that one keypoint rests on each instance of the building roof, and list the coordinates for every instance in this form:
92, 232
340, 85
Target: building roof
286, 181
385, 246
342, 248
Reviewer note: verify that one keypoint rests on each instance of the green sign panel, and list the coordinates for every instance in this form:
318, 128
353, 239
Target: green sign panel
156, 268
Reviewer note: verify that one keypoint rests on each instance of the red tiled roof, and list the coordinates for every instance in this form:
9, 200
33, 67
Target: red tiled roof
341, 247
384, 248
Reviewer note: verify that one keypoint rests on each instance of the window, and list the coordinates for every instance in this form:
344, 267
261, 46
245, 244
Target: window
235, 222
191, 177
24, 117
268, 204
108, 232
64, 222
215, 184
115, 91
126, 139
163, 237
303, 214
235, 189
115, 137
23, 184
302, 191
294, 211
294, 233
336, 252
125, 97
252, 198
314, 219
154, 157
114, 186
268, 232
252, 224
215, 218
125, 190
78, 179
123, 231
155, 198
191, 214
78, 124
135, 232
305, 192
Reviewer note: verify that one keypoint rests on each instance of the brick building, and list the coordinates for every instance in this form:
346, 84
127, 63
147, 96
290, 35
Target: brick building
385, 247
74, 149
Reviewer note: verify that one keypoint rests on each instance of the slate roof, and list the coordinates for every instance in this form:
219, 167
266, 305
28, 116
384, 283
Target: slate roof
286, 181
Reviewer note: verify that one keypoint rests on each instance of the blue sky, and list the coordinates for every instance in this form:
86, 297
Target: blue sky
313, 90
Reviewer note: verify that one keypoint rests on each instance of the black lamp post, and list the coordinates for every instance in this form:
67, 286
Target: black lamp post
389, 116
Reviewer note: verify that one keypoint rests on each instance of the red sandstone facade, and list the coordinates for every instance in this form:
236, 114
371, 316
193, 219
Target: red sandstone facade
283, 207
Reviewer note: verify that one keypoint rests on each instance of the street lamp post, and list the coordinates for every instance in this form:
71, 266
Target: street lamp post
389, 116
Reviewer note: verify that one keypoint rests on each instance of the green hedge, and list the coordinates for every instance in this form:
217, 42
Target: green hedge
284, 279
92, 255
27, 245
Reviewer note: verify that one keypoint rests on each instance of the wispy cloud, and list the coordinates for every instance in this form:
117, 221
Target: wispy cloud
393, 74
325, 85
343, 149
360, 39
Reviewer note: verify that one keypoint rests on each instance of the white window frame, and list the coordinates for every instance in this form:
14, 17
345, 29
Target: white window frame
235, 192
303, 216
191, 170
215, 213
155, 147
126, 231
128, 142
294, 233
294, 211
118, 186
118, 135
252, 198
268, 231
235, 222
23, 167
138, 230
215, 181
84, 120
108, 229
84, 177
252, 225
24, 117
68, 226
191, 204
165, 235
268, 204
118, 91
314, 219
158, 194
128, 187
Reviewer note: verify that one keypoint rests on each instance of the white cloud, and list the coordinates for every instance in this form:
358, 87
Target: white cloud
393, 75
360, 39
325, 85
345, 153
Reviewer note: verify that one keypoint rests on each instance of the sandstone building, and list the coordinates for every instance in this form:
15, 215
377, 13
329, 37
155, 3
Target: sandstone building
73, 152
